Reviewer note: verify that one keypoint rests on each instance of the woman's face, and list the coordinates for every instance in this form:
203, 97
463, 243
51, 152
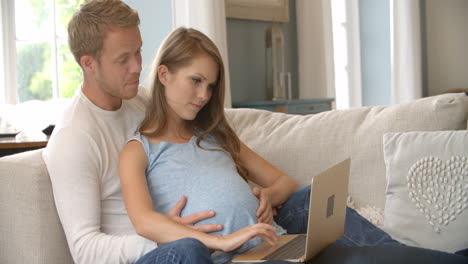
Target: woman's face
189, 88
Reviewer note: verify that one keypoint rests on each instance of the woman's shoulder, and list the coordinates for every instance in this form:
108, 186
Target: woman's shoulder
137, 141
145, 138
160, 146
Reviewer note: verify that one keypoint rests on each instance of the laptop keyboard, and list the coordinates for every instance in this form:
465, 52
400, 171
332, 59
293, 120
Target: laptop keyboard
294, 249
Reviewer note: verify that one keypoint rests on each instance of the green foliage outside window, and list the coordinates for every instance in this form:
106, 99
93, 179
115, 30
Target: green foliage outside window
34, 60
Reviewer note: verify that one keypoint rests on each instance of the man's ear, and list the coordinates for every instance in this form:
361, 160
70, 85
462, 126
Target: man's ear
87, 63
163, 74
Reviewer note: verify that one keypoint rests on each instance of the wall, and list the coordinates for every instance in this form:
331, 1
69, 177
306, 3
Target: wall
445, 56
246, 51
155, 25
445, 52
374, 26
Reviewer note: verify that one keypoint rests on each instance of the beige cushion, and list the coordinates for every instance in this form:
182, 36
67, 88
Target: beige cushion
30, 230
303, 146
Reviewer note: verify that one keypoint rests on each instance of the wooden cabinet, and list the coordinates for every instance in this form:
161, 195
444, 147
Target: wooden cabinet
298, 107
12, 145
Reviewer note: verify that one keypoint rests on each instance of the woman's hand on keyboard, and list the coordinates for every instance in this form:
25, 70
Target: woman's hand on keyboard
237, 239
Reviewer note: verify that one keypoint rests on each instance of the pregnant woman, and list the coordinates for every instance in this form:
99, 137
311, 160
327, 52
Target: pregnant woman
185, 147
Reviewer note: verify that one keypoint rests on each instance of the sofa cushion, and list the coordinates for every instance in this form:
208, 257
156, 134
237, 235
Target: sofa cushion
426, 202
30, 230
303, 146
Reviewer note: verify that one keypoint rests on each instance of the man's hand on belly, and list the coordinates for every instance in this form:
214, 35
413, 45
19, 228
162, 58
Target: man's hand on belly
192, 219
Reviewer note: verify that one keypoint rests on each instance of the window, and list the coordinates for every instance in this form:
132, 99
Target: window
346, 46
36, 59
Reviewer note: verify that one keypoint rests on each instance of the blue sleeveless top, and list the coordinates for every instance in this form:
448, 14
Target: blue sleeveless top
210, 181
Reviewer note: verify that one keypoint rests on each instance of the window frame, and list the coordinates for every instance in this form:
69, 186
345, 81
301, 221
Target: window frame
8, 89
8, 53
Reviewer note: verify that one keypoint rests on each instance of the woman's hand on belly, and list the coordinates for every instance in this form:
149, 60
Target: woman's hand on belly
235, 240
265, 211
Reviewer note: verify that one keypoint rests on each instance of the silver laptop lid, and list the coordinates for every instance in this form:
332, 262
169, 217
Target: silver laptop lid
327, 208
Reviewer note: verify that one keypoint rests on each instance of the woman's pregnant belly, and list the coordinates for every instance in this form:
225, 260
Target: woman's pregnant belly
220, 190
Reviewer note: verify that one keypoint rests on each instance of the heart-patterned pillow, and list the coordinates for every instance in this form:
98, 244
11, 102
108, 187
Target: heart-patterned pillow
439, 189
427, 189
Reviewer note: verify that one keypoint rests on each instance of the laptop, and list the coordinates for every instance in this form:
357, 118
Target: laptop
327, 211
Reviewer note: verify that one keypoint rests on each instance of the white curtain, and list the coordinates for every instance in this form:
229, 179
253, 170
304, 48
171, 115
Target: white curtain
315, 49
406, 51
2, 59
346, 53
208, 16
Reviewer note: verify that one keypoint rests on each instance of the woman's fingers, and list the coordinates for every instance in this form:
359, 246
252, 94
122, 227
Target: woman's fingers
267, 232
261, 207
196, 217
275, 211
174, 213
264, 212
237, 239
263, 229
208, 228
256, 192
266, 217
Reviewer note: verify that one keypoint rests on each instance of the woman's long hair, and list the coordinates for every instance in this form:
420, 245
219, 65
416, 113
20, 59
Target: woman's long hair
177, 51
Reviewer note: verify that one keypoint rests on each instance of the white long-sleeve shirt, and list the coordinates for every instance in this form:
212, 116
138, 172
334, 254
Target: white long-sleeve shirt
82, 159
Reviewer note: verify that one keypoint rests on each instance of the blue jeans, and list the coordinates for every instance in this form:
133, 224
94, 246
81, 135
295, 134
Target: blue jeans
182, 251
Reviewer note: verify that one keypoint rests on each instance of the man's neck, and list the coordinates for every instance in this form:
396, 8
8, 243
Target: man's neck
99, 97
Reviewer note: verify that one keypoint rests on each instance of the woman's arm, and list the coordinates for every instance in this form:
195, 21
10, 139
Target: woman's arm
277, 185
160, 228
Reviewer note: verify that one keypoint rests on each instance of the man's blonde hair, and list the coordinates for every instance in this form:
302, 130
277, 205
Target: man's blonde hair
88, 26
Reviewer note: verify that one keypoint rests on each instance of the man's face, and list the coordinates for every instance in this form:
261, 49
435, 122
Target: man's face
119, 65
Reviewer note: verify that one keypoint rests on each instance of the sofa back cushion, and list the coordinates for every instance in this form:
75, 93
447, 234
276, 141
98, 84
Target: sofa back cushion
303, 146
29, 225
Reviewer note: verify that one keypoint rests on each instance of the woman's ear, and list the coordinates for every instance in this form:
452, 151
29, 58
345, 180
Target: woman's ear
163, 74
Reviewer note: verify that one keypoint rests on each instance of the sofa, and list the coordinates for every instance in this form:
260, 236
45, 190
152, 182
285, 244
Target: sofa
302, 146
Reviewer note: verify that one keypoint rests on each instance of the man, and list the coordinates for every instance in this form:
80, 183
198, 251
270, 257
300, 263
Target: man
82, 154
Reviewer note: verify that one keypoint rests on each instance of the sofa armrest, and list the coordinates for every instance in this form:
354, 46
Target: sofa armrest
29, 225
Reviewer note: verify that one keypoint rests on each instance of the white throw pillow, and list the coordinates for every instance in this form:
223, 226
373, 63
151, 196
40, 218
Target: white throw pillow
427, 189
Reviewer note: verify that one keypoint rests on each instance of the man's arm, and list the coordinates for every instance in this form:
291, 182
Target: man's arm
74, 167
